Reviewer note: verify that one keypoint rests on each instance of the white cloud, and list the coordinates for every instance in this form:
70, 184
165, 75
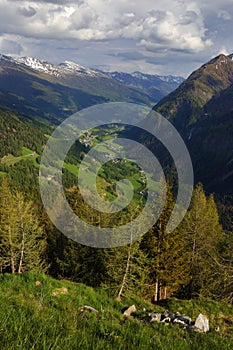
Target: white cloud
108, 19
159, 27
27, 11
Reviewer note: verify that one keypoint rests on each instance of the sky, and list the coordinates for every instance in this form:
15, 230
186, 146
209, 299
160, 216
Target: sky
152, 36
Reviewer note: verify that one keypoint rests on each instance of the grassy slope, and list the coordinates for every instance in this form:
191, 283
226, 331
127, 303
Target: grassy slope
26, 154
33, 318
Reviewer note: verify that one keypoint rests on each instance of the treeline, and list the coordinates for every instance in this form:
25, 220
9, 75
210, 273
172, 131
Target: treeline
195, 260
16, 133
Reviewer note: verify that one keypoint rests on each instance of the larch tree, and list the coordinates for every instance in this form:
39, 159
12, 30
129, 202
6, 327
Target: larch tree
203, 234
126, 265
169, 268
23, 244
8, 231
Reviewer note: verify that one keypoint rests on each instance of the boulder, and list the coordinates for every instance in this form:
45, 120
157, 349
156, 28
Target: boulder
167, 317
129, 311
183, 320
201, 324
155, 317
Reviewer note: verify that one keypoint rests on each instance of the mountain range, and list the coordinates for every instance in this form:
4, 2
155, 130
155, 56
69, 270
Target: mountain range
200, 107
53, 92
156, 86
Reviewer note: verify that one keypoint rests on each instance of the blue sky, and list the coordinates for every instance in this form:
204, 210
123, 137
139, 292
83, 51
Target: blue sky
153, 36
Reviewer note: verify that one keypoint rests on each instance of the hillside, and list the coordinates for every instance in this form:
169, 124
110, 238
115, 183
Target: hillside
38, 312
156, 86
201, 109
186, 105
53, 93
18, 131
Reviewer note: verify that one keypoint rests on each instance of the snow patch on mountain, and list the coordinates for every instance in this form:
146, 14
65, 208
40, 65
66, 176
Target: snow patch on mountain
147, 78
67, 67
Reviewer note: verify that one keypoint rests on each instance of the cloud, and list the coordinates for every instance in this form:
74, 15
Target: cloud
132, 55
27, 11
177, 30
56, 2
225, 15
181, 28
125, 31
10, 47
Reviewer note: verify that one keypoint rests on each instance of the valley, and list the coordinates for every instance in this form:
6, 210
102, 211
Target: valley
47, 277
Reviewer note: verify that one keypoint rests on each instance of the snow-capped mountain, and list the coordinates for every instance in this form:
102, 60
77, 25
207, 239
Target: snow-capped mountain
38, 88
149, 77
68, 67
114, 86
40, 65
121, 76
157, 86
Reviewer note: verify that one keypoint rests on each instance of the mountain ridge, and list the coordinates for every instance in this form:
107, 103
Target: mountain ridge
49, 95
136, 87
202, 110
197, 90
157, 86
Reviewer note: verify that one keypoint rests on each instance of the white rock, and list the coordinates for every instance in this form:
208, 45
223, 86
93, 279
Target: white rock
202, 323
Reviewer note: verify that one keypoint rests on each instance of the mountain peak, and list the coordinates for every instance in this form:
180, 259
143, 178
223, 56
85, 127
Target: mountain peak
221, 58
185, 105
201, 109
43, 66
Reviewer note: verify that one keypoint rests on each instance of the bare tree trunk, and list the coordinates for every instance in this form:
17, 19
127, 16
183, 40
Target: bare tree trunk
156, 296
193, 257
22, 250
156, 292
165, 292
125, 275
194, 246
11, 250
126, 272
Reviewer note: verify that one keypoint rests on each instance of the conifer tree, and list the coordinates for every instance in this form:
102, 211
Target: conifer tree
169, 269
8, 231
22, 240
203, 235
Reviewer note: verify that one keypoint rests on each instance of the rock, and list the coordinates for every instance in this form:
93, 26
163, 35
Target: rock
152, 317
37, 283
167, 317
146, 319
184, 320
88, 308
155, 317
129, 311
201, 324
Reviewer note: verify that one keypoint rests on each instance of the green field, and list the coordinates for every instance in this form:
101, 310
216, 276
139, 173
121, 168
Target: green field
26, 154
48, 316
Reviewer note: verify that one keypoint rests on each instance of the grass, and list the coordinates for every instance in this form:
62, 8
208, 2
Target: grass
26, 154
48, 317
72, 168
